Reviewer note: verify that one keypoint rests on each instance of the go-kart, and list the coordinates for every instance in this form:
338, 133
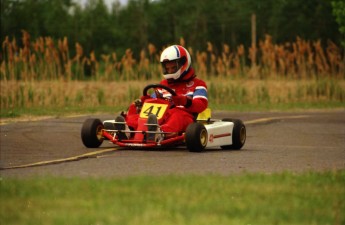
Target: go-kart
203, 133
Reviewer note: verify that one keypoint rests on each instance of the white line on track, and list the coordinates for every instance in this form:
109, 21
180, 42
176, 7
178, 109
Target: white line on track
265, 120
73, 158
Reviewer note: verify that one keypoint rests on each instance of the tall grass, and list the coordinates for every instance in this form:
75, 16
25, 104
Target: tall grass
43, 73
48, 59
118, 94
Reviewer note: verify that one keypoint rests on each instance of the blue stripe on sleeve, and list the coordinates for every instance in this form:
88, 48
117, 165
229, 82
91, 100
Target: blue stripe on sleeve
200, 92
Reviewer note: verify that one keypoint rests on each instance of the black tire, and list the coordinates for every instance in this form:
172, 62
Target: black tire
196, 137
91, 133
238, 135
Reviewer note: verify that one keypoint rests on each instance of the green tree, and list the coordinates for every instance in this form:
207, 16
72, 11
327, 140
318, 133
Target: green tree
38, 17
339, 13
96, 33
164, 22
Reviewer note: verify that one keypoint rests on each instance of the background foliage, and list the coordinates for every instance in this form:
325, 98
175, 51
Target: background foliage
49, 48
162, 22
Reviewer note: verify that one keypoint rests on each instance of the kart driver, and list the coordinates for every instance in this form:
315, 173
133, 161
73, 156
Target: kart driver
191, 96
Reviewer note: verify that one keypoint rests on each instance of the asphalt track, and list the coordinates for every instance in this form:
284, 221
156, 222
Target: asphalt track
276, 142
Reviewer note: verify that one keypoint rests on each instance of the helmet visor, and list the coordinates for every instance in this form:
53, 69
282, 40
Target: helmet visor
170, 67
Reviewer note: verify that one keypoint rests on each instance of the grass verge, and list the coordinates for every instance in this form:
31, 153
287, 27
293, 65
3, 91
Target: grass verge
58, 98
59, 111
264, 107
285, 198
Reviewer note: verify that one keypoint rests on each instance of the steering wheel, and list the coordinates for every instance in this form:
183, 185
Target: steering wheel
155, 86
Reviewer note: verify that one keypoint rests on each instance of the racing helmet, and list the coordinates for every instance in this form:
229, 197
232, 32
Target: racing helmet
175, 61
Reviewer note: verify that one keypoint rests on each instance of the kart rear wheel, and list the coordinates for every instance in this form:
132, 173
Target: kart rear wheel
196, 137
238, 135
91, 133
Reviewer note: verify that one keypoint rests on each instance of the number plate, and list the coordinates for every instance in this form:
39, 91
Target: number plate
153, 108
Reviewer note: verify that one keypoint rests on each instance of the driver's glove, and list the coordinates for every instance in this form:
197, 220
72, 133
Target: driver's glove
182, 100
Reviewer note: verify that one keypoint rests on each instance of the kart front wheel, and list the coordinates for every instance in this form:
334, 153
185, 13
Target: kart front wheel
91, 133
196, 137
238, 135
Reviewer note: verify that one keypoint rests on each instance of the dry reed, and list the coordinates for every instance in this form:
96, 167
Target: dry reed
43, 73
221, 91
46, 59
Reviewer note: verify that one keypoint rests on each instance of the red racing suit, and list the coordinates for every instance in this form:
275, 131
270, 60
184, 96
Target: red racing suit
179, 117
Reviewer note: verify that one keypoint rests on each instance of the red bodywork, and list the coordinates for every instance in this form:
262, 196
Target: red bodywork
138, 137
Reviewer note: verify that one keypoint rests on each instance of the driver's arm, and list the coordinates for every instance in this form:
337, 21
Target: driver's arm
197, 103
